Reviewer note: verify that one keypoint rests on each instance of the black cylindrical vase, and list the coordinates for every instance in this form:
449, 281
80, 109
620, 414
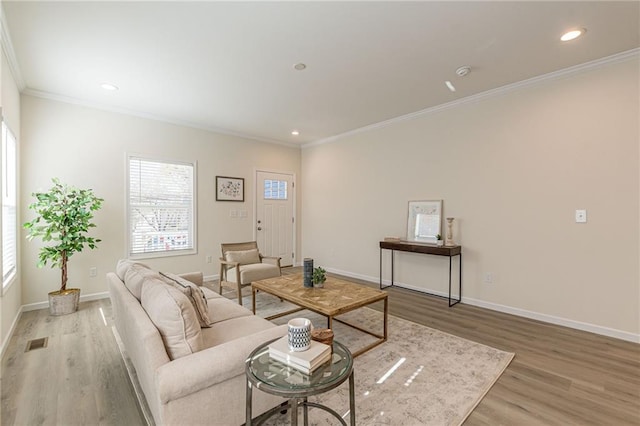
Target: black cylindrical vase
308, 272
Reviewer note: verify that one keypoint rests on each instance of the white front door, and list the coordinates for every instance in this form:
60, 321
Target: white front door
274, 215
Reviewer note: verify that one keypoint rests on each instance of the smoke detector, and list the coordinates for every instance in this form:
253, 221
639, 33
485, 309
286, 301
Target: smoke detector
463, 71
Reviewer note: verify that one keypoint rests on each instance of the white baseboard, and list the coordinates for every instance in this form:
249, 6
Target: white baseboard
578, 325
209, 278
5, 343
45, 304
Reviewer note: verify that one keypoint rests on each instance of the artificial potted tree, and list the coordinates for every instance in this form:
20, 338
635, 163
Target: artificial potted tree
63, 216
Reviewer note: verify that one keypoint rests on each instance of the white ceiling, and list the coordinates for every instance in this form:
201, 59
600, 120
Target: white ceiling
228, 66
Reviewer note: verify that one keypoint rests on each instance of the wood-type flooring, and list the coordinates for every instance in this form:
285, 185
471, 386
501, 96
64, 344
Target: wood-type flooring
559, 376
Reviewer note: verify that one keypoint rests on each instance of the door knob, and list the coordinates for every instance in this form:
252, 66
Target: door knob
259, 228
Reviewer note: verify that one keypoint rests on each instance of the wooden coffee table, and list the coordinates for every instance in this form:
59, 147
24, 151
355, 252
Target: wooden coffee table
335, 298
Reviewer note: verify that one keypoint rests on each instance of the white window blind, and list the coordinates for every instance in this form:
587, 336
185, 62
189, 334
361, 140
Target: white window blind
161, 207
9, 202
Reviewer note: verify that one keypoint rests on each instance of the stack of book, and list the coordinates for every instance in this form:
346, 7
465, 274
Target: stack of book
305, 361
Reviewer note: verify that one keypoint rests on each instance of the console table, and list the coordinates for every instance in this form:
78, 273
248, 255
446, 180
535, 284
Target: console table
422, 248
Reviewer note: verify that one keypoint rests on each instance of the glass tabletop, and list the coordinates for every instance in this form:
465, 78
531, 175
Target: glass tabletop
280, 378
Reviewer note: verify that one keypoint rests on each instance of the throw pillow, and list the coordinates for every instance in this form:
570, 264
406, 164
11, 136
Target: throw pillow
135, 277
123, 266
174, 317
194, 294
244, 257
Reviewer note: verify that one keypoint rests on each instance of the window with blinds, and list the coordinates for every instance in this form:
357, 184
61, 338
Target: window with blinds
9, 202
161, 211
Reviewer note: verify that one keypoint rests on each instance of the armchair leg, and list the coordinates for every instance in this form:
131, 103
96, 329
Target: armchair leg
239, 294
222, 278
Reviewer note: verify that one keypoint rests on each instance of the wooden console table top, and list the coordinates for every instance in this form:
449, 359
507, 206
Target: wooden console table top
425, 248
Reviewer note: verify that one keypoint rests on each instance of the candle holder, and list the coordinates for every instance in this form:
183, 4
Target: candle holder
449, 239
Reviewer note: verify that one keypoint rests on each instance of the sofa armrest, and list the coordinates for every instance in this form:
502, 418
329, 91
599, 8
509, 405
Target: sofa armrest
195, 277
192, 373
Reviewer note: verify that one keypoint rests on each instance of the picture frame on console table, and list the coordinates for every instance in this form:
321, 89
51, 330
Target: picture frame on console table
229, 188
424, 222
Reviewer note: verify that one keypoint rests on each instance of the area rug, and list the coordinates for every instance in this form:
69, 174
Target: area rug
436, 379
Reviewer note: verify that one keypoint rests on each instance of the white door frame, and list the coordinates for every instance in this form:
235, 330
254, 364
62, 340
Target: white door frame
294, 193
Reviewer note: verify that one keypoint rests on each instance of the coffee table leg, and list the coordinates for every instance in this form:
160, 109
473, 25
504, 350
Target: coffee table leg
253, 299
352, 400
306, 413
248, 408
294, 411
386, 316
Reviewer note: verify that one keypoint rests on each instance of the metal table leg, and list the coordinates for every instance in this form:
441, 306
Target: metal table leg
352, 400
248, 414
294, 411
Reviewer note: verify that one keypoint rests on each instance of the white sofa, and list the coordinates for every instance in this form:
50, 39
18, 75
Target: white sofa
190, 375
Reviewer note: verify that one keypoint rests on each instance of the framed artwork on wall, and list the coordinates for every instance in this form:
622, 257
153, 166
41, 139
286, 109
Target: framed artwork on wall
229, 188
425, 221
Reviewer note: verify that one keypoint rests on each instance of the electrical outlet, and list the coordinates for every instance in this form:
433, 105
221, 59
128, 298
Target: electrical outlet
93, 272
488, 278
209, 258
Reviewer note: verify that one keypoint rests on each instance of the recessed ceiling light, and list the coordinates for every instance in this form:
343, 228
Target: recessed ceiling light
110, 87
573, 34
463, 71
295, 132
300, 66
450, 86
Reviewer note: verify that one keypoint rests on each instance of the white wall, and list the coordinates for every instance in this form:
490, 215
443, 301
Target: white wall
10, 301
87, 148
512, 169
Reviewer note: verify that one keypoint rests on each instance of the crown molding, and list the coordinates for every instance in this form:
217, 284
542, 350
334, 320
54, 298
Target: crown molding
148, 116
608, 60
7, 48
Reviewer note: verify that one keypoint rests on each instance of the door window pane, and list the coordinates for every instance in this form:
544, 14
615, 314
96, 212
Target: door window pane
275, 189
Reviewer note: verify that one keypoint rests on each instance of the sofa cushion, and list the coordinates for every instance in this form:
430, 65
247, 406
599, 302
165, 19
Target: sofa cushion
254, 272
210, 294
136, 275
220, 310
194, 294
234, 328
244, 257
123, 266
174, 317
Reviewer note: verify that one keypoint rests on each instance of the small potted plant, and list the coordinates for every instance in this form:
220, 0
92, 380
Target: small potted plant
439, 241
63, 216
319, 277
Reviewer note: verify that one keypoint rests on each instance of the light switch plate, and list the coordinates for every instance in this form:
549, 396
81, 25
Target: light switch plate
581, 216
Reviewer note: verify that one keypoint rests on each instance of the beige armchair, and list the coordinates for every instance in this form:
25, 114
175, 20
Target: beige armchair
242, 263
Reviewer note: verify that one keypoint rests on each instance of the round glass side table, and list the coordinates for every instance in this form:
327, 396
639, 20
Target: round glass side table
277, 378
